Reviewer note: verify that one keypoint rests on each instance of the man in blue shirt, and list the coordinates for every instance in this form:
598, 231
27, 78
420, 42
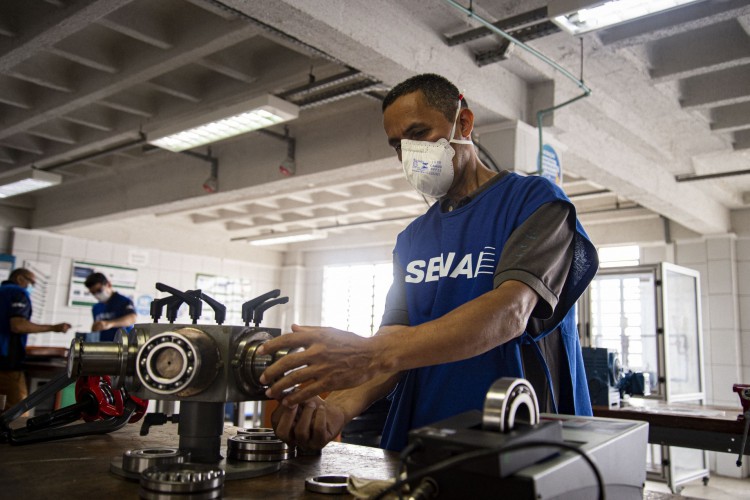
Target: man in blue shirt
485, 285
15, 325
112, 312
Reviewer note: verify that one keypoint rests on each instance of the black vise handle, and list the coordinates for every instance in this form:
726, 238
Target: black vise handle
258, 315
156, 307
174, 303
173, 307
220, 310
248, 308
194, 303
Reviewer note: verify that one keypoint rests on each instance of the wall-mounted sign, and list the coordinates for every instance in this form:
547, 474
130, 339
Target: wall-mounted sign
40, 297
551, 166
123, 280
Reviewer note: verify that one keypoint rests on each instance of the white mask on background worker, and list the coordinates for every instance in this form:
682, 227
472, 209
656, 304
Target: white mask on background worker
103, 295
428, 166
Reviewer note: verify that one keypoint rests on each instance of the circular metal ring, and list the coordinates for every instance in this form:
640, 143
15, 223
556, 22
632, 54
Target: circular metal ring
182, 478
510, 400
147, 358
256, 431
247, 442
138, 460
261, 456
332, 485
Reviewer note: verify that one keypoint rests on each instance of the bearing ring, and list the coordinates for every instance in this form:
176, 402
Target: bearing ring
174, 481
182, 362
510, 400
138, 460
334, 484
261, 448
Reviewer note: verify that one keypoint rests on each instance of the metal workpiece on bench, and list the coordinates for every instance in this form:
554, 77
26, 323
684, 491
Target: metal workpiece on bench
209, 363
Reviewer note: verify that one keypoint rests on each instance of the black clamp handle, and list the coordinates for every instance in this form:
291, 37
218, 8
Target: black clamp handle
194, 303
248, 308
258, 314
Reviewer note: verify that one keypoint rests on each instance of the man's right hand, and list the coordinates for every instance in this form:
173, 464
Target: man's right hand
310, 425
61, 327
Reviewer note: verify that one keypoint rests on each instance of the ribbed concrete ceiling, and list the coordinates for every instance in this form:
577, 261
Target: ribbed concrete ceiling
83, 83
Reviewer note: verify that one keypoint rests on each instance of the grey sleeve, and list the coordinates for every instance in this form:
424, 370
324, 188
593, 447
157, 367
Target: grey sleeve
539, 253
396, 312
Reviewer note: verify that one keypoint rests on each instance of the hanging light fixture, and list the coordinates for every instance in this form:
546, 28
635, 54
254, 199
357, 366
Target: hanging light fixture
224, 122
577, 16
24, 180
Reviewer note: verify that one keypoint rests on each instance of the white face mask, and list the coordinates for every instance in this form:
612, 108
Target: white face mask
428, 166
103, 296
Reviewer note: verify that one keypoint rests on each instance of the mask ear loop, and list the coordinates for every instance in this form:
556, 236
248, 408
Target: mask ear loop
453, 128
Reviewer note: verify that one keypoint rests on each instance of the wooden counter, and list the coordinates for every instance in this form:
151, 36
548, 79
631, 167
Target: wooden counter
74, 468
77, 468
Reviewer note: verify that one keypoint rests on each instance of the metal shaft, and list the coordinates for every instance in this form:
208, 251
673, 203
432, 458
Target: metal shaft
201, 427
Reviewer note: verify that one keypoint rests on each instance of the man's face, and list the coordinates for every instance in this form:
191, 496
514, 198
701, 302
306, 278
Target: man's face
98, 288
410, 117
27, 279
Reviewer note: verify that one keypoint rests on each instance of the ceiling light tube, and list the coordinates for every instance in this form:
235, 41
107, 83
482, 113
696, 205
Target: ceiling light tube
291, 237
25, 180
225, 122
577, 17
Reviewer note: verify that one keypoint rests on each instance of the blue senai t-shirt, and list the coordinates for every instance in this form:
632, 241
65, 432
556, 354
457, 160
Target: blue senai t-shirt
449, 259
116, 307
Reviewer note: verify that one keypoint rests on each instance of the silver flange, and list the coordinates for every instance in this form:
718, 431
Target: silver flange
508, 401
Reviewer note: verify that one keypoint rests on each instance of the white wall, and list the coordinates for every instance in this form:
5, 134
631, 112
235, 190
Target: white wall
172, 268
9, 218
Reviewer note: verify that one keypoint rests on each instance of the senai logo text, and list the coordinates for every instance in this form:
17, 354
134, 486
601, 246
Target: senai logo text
449, 266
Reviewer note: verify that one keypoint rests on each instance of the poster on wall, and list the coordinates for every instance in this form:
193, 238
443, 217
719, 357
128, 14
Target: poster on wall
123, 281
41, 295
231, 292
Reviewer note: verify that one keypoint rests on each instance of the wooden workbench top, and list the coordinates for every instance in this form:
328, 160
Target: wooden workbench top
79, 467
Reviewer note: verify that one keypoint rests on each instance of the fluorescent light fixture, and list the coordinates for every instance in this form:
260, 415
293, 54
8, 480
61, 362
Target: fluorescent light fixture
26, 180
599, 15
225, 122
291, 237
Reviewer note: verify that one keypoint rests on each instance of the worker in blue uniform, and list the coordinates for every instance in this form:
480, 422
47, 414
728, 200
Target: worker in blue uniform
112, 310
15, 327
485, 285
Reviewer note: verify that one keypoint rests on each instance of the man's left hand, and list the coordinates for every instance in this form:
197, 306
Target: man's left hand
99, 326
332, 360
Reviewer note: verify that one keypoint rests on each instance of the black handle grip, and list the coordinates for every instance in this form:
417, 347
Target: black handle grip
194, 303
258, 315
220, 310
248, 308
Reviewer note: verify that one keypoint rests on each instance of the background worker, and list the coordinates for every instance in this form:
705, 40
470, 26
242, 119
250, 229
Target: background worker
112, 311
15, 325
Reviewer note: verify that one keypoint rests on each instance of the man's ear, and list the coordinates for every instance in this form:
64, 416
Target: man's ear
466, 122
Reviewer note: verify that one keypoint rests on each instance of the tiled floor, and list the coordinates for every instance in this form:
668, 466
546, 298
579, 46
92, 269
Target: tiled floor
718, 488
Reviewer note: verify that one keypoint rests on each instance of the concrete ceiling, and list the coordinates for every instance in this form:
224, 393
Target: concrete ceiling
84, 82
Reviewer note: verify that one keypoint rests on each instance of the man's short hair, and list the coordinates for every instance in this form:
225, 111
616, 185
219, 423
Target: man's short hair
439, 92
17, 273
96, 279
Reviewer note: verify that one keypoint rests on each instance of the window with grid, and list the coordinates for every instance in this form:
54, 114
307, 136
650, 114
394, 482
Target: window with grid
354, 296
